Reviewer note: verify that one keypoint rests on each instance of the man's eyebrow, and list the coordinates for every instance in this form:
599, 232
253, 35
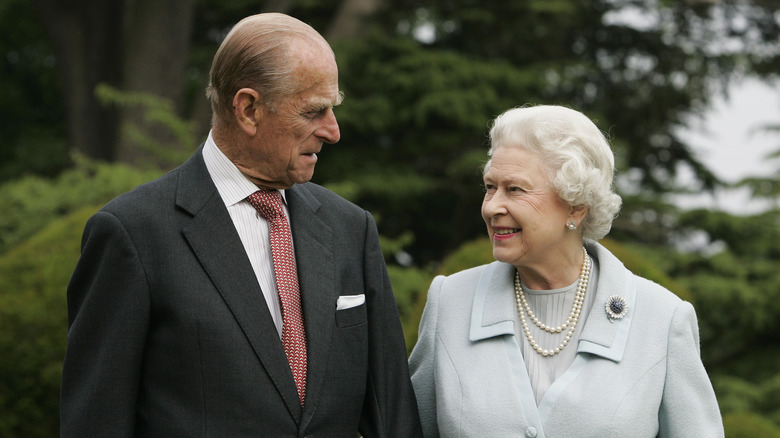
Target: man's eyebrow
319, 104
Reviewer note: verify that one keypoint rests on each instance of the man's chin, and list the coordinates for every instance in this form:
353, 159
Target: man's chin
302, 177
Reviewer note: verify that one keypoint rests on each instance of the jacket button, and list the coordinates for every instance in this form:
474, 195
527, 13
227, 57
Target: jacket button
530, 432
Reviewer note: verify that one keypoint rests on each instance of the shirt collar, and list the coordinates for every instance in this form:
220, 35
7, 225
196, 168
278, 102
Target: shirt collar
233, 186
492, 312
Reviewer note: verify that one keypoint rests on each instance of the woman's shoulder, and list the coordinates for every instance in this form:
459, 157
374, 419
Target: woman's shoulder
468, 277
613, 271
475, 271
652, 295
458, 289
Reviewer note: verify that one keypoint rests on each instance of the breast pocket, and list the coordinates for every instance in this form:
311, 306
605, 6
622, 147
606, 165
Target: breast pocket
352, 316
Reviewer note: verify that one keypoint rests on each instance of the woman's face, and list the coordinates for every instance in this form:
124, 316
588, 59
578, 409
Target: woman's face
525, 218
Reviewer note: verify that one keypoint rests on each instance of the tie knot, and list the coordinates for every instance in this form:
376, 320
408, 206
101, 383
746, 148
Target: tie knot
268, 203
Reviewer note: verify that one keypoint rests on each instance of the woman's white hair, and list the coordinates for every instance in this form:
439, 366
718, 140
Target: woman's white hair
579, 159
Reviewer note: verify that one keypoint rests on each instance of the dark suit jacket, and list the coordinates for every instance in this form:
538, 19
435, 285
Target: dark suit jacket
169, 335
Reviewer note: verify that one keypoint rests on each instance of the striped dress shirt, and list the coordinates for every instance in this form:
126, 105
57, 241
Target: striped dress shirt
252, 228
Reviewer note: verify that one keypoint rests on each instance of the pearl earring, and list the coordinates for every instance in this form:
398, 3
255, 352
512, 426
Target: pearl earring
571, 226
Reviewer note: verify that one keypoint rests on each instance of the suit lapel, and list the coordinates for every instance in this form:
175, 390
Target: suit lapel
492, 313
600, 336
316, 275
216, 244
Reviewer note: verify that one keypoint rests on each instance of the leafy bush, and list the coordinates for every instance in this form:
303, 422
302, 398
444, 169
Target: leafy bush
33, 326
40, 232
30, 203
747, 425
736, 395
410, 286
470, 254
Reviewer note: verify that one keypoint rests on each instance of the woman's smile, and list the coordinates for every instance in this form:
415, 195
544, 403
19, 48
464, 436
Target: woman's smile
504, 233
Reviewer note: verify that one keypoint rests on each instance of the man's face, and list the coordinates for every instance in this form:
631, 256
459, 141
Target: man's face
284, 150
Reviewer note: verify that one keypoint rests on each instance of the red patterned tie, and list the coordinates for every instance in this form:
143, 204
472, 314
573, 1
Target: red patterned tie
269, 204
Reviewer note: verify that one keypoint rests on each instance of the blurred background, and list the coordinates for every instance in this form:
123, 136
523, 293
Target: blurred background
99, 96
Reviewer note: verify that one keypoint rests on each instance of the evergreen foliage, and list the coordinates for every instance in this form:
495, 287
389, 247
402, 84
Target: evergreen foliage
158, 113
414, 125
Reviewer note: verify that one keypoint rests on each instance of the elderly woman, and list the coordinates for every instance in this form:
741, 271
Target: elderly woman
556, 338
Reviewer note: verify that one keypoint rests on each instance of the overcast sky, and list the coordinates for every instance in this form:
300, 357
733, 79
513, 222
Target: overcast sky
728, 141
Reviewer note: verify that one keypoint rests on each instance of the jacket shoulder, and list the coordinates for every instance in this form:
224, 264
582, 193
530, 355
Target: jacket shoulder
462, 284
469, 274
146, 196
327, 197
654, 295
650, 295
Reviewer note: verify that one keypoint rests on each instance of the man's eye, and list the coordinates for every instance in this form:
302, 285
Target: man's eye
313, 114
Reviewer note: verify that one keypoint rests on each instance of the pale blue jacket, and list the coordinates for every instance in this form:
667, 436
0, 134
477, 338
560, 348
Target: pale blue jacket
640, 376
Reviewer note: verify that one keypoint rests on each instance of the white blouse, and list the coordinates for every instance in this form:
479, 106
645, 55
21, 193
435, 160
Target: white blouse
552, 307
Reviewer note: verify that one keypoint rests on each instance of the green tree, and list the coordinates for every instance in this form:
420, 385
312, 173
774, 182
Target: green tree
33, 132
422, 79
766, 187
422, 88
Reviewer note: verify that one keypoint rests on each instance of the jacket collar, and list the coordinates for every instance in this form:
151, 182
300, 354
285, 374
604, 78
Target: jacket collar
600, 336
493, 310
313, 242
210, 233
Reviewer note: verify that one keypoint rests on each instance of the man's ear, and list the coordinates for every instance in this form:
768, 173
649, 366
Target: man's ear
247, 109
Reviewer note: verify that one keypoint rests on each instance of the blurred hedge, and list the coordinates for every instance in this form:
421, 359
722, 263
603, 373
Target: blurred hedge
41, 222
30, 203
33, 326
747, 425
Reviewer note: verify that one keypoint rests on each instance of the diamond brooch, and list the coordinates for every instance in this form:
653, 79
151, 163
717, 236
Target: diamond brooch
616, 308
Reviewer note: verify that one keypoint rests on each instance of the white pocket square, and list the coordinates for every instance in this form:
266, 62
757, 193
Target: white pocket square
349, 301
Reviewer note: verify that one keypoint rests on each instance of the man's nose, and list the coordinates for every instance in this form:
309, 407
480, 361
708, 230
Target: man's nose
329, 132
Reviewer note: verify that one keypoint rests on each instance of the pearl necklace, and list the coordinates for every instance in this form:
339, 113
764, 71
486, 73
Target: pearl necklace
571, 321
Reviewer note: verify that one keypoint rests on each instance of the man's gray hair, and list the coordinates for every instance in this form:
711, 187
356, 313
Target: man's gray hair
257, 54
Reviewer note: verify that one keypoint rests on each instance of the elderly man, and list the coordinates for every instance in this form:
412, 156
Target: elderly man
231, 297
